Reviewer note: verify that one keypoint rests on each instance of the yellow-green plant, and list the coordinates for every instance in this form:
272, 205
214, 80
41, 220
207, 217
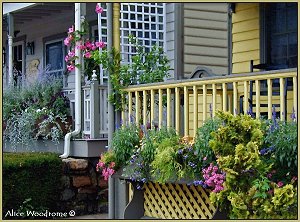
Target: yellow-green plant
247, 192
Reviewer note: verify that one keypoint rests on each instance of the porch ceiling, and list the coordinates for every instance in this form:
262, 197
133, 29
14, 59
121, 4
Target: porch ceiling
41, 11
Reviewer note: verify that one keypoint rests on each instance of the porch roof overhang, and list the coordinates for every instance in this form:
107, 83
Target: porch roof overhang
26, 12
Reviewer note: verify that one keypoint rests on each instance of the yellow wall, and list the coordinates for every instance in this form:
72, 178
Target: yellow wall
245, 36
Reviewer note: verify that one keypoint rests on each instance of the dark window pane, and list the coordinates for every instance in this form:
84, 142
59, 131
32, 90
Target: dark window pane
293, 44
54, 56
279, 46
292, 19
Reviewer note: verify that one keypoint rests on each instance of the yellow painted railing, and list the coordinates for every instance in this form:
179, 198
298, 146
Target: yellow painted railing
186, 104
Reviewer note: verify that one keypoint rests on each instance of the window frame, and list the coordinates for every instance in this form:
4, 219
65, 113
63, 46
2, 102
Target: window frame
265, 57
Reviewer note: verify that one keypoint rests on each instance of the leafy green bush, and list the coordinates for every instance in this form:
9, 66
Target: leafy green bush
38, 110
34, 176
248, 193
204, 134
125, 141
281, 149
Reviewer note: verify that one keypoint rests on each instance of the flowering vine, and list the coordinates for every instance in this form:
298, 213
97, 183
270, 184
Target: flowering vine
79, 40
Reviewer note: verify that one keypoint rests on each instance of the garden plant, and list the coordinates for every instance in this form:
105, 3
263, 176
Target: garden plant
235, 157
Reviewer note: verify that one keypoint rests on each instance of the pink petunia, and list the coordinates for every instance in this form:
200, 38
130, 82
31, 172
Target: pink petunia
280, 184
100, 44
71, 53
67, 41
88, 45
98, 9
87, 55
70, 67
205, 158
71, 30
67, 58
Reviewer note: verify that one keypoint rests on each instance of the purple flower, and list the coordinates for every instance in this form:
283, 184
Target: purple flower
185, 157
180, 151
198, 182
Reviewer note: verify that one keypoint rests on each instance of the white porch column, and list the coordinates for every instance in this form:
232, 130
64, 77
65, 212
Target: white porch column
10, 48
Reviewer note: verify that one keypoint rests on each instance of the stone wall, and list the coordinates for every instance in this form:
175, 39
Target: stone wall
83, 189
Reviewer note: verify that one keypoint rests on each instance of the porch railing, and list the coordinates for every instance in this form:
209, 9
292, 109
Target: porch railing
186, 104
94, 109
95, 105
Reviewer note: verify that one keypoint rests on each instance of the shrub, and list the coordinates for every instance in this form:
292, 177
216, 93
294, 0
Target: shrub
34, 176
248, 193
204, 134
125, 141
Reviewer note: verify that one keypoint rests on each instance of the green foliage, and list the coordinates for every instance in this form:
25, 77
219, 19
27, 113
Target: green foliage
282, 138
148, 66
33, 111
204, 134
247, 191
125, 141
139, 167
34, 176
165, 166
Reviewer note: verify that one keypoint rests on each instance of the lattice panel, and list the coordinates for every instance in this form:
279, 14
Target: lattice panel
177, 201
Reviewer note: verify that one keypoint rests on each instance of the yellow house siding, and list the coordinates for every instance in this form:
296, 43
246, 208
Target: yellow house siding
245, 36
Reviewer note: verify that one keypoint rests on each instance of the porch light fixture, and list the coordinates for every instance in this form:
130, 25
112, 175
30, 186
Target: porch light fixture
30, 48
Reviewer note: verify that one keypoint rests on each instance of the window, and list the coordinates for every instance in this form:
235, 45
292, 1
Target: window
281, 35
54, 58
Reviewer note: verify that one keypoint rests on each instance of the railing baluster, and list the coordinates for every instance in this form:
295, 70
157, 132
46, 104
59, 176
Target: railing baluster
169, 107
145, 108
186, 111
246, 96
295, 97
235, 100
257, 98
177, 109
214, 99
224, 86
204, 103
137, 107
160, 108
269, 82
282, 105
152, 108
129, 106
195, 90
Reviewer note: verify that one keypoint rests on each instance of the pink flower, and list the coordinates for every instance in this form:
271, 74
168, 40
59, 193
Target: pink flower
100, 44
67, 41
70, 67
71, 53
270, 192
269, 175
81, 47
280, 184
205, 158
71, 30
88, 45
87, 55
294, 178
93, 47
67, 58
98, 9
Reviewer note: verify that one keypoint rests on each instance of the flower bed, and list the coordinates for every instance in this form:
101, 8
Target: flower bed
245, 162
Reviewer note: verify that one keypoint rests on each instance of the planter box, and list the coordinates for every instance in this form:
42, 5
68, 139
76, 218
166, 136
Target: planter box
169, 201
